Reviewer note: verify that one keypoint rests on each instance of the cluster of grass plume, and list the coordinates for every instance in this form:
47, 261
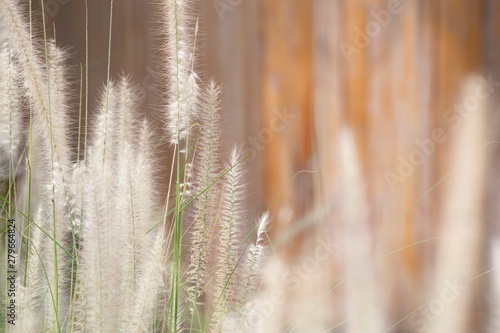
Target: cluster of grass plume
100, 248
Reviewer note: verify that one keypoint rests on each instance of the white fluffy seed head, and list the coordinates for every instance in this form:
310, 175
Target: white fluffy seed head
11, 117
263, 226
183, 106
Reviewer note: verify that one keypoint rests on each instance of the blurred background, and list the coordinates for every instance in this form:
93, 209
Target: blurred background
372, 128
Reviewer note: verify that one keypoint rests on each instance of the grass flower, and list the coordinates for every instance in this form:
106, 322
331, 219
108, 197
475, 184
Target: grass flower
96, 256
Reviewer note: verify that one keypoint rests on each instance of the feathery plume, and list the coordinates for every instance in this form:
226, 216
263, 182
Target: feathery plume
362, 301
11, 117
52, 173
228, 249
98, 272
183, 90
138, 213
462, 217
127, 105
206, 172
251, 273
150, 289
49, 116
33, 293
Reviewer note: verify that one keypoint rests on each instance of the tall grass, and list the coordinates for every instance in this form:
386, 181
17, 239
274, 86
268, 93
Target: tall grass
101, 249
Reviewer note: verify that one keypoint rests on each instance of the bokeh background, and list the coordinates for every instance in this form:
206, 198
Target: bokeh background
373, 129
